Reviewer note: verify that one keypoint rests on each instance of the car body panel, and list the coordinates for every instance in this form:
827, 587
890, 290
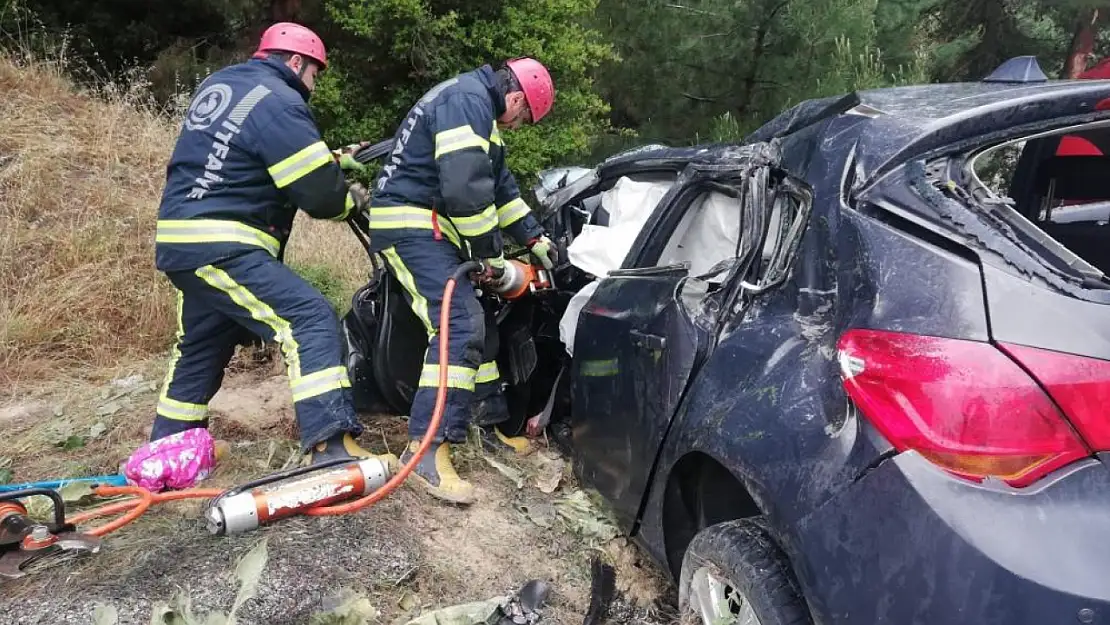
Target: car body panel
904, 123
910, 544
1021, 311
629, 380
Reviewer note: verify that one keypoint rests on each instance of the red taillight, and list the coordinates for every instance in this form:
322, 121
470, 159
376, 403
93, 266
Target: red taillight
963, 405
1080, 386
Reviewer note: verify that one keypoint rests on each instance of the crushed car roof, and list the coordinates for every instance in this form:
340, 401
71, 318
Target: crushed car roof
887, 127
939, 101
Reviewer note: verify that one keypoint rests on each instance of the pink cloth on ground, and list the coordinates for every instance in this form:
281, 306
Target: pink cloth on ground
175, 462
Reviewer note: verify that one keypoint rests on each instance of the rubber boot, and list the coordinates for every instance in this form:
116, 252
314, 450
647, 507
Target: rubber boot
344, 446
487, 413
436, 474
493, 439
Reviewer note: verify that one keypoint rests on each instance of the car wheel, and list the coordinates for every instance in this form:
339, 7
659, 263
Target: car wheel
733, 573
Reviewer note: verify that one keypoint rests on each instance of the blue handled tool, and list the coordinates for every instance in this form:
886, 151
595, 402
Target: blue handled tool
106, 480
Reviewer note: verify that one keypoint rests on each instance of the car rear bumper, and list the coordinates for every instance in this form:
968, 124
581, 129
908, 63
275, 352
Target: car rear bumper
910, 544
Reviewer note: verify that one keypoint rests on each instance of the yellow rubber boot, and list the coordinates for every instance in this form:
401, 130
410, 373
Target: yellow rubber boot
436, 474
494, 439
345, 446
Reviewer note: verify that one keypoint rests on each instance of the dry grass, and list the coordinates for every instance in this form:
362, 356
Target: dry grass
79, 189
80, 181
332, 245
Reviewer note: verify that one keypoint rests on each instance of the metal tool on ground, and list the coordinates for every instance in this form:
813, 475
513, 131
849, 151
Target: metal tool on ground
281, 496
28, 546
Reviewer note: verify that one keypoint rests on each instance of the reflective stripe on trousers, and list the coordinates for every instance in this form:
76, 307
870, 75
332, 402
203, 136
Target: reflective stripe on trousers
255, 293
423, 267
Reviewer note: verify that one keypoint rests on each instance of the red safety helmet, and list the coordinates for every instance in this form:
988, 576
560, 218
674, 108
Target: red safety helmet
536, 84
293, 38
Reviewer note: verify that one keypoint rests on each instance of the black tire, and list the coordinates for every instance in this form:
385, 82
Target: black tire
743, 553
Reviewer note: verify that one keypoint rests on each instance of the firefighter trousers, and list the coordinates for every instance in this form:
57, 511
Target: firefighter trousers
423, 266
257, 293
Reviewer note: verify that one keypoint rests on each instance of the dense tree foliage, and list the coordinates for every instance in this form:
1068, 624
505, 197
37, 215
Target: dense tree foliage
628, 71
388, 52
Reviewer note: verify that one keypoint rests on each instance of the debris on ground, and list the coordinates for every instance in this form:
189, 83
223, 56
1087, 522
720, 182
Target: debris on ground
248, 573
523, 608
105, 614
410, 555
637, 580
549, 472
541, 513
602, 591
585, 518
514, 475
347, 607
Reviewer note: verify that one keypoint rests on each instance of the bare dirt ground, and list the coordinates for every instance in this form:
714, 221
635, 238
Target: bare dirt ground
404, 557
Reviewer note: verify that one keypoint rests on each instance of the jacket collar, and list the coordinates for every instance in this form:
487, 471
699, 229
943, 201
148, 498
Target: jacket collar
282, 71
488, 78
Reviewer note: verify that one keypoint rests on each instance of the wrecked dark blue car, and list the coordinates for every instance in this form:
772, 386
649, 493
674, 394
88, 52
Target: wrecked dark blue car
854, 370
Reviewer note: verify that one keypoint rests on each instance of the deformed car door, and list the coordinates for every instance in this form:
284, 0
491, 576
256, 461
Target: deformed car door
640, 338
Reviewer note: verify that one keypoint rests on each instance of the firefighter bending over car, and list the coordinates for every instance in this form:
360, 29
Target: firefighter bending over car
249, 154
445, 195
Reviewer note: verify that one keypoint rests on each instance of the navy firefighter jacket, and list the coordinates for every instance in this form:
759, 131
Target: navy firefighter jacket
249, 154
446, 176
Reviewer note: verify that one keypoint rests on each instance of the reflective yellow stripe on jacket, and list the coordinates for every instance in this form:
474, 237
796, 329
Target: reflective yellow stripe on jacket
457, 377
459, 139
477, 225
487, 373
213, 231
293, 168
348, 205
511, 212
314, 384
404, 217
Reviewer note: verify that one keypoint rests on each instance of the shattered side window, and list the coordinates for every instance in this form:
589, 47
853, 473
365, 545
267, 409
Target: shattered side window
1045, 175
995, 168
786, 220
1056, 188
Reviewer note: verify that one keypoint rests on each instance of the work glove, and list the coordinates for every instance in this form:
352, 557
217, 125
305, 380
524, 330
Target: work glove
345, 156
543, 249
360, 195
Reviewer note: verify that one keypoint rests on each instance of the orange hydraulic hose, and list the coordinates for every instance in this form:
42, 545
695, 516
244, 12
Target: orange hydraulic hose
145, 499
433, 427
136, 508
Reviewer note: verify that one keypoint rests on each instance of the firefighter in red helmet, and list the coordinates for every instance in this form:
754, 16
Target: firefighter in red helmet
446, 195
248, 155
